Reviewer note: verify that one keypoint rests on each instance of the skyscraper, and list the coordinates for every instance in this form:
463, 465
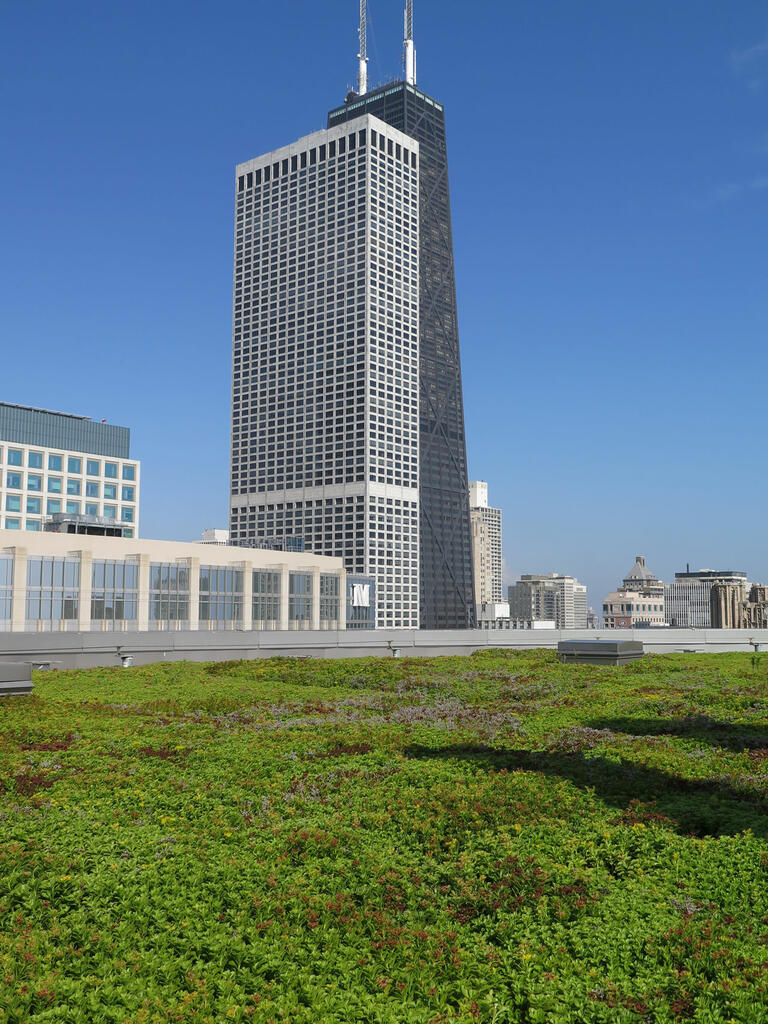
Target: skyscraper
325, 431
445, 545
348, 424
486, 545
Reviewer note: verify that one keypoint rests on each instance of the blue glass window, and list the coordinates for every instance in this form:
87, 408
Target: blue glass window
13, 480
110, 491
110, 469
110, 512
34, 482
128, 493
91, 509
73, 508
74, 465
53, 506
12, 524
73, 486
34, 506
91, 489
129, 472
33, 524
92, 467
14, 457
35, 460
127, 515
54, 485
55, 463
13, 503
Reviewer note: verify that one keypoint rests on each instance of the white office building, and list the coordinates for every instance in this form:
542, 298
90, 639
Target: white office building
325, 428
485, 524
56, 464
556, 598
687, 601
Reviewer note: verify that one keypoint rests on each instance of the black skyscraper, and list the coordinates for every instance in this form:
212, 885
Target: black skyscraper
446, 584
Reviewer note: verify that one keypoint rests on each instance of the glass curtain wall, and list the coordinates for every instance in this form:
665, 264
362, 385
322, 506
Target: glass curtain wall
53, 594
114, 595
168, 596
221, 597
266, 600
299, 600
6, 592
329, 601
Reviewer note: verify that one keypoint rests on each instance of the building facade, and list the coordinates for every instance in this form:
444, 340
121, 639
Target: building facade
53, 464
485, 524
553, 598
638, 602
53, 582
447, 598
325, 405
687, 601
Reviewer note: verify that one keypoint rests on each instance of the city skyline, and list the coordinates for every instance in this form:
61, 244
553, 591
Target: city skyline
624, 266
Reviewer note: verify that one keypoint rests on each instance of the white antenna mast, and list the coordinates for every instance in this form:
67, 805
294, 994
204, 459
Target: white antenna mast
408, 50
362, 57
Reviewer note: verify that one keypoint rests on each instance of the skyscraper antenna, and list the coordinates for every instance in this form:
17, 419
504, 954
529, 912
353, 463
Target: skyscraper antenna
362, 57
409, 53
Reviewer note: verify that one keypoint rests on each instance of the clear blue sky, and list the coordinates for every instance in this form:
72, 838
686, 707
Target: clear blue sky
609, 176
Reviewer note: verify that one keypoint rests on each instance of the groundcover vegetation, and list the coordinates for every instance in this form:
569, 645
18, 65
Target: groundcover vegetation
496, 838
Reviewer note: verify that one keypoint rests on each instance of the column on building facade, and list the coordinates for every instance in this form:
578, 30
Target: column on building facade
342, 620
247, 619
142, 612
284, 584
86, 586
194, 591
19, 592
314, 621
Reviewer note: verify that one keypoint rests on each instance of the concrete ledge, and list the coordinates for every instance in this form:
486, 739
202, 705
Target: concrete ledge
15, 678
599, 652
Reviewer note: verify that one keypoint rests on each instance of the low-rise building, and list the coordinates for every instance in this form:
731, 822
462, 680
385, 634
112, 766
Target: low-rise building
553, 598
53, 463
63, 582
638, 602
687, 601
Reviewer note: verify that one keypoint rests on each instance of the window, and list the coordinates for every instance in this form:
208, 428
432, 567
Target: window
93, 467
53, 506
33, 525
35, 460
14, 457
221, 597
34, 482
73, 486
12, 524
53, 593
329, 601
266, 599
55, 463
299, 600
13, 503
6, 591
54, 485
114, 594
13, 480
129, 493
110, 469
91, 509
110, 491
129, 472
92, 489
34, 506
73, 508
110, 512
74, 465
168, 595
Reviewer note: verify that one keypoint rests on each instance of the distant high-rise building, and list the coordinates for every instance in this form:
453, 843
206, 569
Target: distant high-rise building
53, 464
485, 523
638, 602
447, 596
561, 599
687, 601
348, 423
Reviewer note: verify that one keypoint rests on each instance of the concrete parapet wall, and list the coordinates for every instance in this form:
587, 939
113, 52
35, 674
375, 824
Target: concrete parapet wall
86, 650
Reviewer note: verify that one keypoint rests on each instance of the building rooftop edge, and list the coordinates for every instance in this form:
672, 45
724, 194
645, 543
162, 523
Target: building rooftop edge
55, 412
